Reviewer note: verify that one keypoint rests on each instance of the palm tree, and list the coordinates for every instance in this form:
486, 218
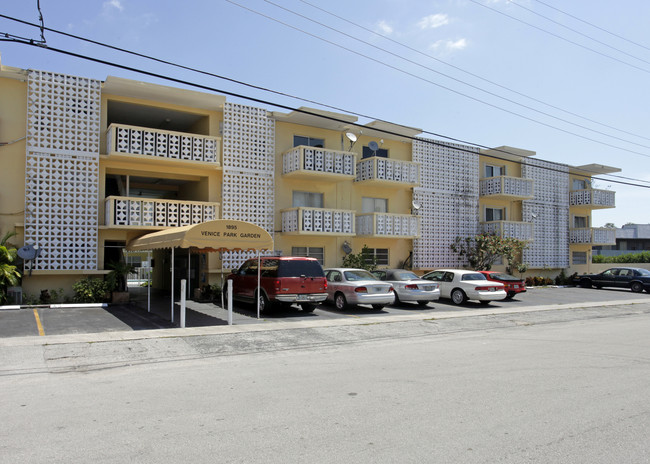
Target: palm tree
9, 274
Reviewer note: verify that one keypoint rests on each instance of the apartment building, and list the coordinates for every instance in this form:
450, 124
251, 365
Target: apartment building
90, 165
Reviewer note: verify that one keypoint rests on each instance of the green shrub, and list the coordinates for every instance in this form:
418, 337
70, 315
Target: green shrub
642, 257
91, 290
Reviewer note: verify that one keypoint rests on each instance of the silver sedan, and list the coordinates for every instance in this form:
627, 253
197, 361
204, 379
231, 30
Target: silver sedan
408, 286
347, 286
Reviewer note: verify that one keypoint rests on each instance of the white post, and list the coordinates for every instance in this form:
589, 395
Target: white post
183, 284
229, 293
189, 265
172, 285
149, 283
259, 279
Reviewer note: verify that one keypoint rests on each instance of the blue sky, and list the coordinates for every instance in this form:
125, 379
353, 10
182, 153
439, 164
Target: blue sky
491, 72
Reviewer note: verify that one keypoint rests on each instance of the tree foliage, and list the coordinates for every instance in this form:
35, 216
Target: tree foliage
362, 260
9, 274
483, 250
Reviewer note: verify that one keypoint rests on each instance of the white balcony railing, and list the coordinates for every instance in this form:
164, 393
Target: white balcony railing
318, 221
390, 170
156, 143
318, 160
506, 186
388, 225
509, 229
152, 212
594, 198
593, 235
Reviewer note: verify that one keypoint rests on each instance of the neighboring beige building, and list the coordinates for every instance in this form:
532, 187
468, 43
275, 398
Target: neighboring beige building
88, 166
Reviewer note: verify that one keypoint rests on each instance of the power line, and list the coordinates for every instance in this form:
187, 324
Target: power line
456, 91
593, 25
577, 32
300, 110
477, 76
560, 37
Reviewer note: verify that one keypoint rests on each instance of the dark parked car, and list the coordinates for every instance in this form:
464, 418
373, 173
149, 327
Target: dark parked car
513, 284
634, 278
284, 280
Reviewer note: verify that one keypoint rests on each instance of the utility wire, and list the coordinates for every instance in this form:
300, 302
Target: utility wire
593, 25
512, 2
477, 76
303, 111
514, 113
560, 37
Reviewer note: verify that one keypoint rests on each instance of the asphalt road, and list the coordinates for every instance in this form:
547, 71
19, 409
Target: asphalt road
564, 386
68, 320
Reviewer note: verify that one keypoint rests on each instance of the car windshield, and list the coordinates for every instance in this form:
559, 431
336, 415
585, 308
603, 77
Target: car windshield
405, 275
506, 277
359, 275
473, 276
644, 272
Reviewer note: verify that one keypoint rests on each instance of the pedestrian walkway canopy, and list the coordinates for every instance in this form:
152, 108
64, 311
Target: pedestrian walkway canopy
217, 235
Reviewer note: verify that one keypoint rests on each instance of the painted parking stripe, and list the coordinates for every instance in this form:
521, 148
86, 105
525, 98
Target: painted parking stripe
41, 332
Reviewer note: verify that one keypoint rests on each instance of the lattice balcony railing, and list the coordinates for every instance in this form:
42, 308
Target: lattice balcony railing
388, 225
152, 212
318, 221
516, 187
391, 170
594, 198
144, 141
509, 229
593, 235
318, 160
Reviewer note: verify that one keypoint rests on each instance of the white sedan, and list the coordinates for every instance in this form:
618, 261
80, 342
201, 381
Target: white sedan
408, 286
461, 285
357, 286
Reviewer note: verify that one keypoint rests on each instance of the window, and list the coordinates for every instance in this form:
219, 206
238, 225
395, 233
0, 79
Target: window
374, 205
580, 222
579, 184
307, 199
308, 141
309, 252
368, 153
495, 214
494, 171
579, 257
378, 255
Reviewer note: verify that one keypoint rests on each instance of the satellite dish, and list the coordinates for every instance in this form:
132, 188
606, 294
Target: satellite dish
352, 138
533, 215
346, 248
416, 206
28, 252
373, 146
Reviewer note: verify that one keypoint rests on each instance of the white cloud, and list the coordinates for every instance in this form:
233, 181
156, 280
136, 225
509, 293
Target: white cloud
384, 27
433, 21
448, 46
113, 4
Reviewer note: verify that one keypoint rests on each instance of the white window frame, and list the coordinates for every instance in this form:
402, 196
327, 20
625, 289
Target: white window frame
504, 213
586, 218
493, 167
579, 260
311, 141
311, 197
379, 205
310, 252
381, 259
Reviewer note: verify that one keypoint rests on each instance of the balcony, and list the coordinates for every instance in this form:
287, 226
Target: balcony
593, 236
506, 188
388, 225
384, 172
317, 221
509, 229
312, 162
161, 144
157, 213
592, 198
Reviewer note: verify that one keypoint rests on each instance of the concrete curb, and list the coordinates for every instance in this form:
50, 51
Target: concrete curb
266, 326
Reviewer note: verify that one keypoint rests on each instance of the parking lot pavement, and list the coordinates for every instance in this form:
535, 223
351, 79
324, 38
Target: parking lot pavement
27, 322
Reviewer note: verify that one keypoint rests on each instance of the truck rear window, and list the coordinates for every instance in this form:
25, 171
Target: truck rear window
298, 267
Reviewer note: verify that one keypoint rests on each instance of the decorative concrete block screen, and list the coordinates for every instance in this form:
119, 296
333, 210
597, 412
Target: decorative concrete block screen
248, 170
62, 170
448, 199
549, 213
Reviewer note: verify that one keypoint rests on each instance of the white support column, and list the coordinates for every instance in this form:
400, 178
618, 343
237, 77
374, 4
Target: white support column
172, 268
259, 279
189, 267
183, 285
149, 283
229, 302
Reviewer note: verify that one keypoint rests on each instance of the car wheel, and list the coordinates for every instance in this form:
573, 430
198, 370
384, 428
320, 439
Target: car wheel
397, 301
308, 307
598, 286
458, 296
637, 287
585, 283
378, 307
484, 302
423, 303
265, 305
510, 295
340, 302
